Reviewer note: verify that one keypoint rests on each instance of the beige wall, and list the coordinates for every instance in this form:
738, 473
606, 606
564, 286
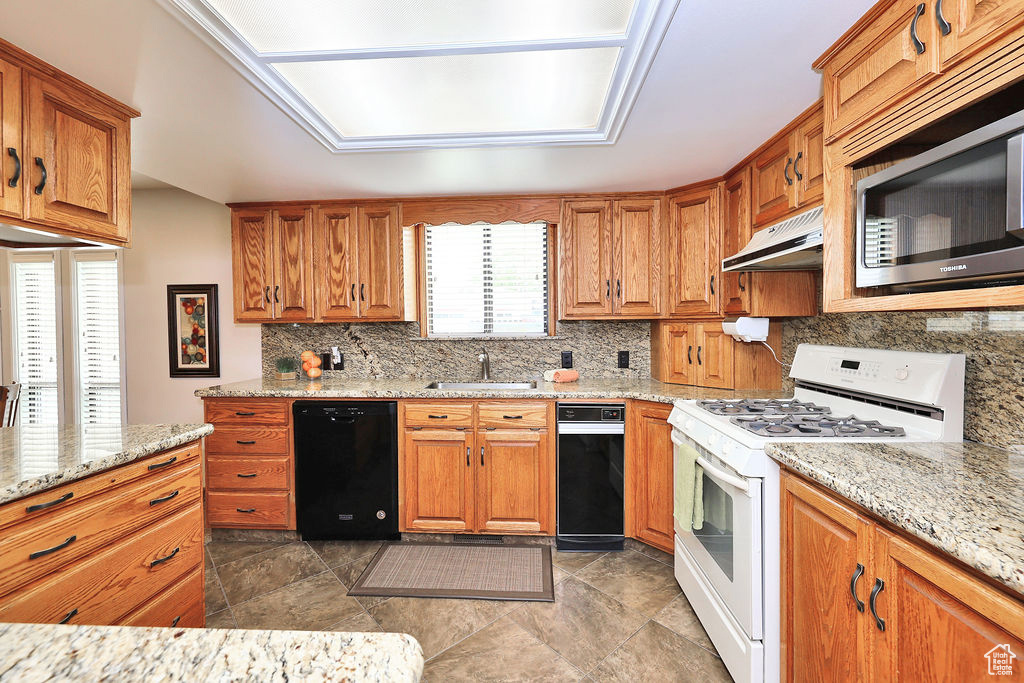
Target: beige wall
178, 238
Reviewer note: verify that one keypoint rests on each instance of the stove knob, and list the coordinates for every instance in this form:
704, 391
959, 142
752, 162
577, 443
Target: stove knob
902, 374
689, 425
713, 439
727, 449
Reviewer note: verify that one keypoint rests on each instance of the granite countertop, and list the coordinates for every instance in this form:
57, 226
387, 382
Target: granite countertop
342, 387
35, 652
964, 498
35, 458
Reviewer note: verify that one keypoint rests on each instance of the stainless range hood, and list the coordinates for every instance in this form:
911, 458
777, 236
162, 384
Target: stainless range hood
793, 244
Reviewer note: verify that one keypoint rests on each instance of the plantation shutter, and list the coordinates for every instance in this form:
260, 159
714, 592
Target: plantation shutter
487, 279
35, 338
98, 347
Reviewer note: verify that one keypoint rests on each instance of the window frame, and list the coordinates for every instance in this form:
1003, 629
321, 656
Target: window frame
420, 241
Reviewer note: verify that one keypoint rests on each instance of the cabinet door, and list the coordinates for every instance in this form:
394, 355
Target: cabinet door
293, 264
650, 474
252, 239
585, 258
824, 635
336, 263
380, 263
437, 478
637, 257
672, 348
881, 65
771, 184
735, 235
12, 155
84, 149
695, 232
809, 163
973, 24
940, 622
514, 482
714, 356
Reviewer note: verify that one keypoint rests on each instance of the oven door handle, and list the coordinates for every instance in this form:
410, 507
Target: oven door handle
717, 473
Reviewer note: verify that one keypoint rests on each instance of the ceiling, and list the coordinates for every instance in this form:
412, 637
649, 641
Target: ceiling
727, 76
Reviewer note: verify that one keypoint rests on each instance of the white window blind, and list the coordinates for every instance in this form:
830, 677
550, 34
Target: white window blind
35, 337
98, 348
487, 279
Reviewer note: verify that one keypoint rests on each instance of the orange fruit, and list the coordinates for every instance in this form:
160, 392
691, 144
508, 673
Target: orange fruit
314, 372
306, 366
315, 361
307, 355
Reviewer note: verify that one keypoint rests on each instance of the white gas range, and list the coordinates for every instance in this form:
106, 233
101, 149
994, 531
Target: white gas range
727, 546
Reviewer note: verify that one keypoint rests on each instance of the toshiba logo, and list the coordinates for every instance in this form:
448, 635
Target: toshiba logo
946, 269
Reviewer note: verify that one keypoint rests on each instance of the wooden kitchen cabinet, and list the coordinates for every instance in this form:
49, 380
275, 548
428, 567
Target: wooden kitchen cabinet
12, 199
649, 474
610, 258
252, 260
788, 171
694, 251
293, 264
702, 354
772, 182
714, 356
931, 620
380, 263
489, 470
336, 262
972, 24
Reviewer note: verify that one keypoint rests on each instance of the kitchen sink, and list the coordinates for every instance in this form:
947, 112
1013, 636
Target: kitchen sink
483, 386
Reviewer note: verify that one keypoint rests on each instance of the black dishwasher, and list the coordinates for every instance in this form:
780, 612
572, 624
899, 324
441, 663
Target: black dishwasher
346, 469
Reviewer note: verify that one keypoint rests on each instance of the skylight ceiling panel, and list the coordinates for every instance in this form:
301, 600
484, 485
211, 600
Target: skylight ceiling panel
331, 25
547, 90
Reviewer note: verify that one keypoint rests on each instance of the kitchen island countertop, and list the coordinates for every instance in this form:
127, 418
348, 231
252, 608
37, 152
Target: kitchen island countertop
963, 498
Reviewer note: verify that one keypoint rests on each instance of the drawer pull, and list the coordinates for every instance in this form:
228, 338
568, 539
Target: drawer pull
857, 573
42, 506
164, 559
944, 25
246, 476
176, 620
917, 42
246, 511
879, 587
59, 546
512, 417
68, 616
438, 417
244, 443
13, 153
157, 501
42, 180
158, 465
244, 413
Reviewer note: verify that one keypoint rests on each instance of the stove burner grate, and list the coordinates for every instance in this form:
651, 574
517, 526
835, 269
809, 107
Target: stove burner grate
817, 426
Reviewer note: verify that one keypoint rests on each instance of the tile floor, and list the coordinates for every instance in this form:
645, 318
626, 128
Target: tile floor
616, 616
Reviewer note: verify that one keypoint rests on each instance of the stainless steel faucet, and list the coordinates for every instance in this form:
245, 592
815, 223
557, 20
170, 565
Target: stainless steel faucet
485, 365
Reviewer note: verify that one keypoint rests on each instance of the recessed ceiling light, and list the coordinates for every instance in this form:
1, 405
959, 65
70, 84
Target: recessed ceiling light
386, 74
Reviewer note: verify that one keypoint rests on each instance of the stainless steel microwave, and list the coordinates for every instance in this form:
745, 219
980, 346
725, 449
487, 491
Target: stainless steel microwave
950, 216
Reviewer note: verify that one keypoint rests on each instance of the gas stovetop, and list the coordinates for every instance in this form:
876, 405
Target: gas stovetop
816, 426
770, 406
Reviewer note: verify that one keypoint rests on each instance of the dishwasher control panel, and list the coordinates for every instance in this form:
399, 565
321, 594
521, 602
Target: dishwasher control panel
591, 412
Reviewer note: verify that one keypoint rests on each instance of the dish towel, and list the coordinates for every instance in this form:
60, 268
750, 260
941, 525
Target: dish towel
688, 486
561, 375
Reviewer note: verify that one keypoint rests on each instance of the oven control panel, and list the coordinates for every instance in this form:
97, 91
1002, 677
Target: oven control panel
845, 367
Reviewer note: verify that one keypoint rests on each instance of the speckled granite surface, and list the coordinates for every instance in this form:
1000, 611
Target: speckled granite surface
395, 350
341, 387
37, 652
966, 499
35, 458
992, 340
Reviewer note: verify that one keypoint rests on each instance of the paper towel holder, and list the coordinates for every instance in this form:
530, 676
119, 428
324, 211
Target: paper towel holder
746, 329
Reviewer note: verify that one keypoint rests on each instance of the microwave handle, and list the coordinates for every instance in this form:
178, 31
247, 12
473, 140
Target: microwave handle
1015, 186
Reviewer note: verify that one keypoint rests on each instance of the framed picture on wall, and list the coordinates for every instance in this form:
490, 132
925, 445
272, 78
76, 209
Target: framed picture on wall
193, 336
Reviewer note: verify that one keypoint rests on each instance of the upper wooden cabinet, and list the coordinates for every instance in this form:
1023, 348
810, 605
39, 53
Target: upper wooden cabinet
788, 172
694, 251
66, 153
860, 602
972, 25
326, 263
610, 258
702, 354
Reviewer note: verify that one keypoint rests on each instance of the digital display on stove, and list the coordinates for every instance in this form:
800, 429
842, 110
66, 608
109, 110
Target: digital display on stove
850, 364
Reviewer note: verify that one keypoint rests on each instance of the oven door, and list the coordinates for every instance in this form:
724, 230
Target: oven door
727, 545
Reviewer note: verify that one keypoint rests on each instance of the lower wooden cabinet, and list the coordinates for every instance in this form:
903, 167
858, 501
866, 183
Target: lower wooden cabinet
649, 474
482, 479
861, 602
702, 354
125, 541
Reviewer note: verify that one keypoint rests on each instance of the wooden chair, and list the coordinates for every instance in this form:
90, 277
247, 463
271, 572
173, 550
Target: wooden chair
10, 395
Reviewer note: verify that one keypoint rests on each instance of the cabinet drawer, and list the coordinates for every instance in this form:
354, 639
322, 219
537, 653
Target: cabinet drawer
76, 494
512, 414
439, 414
241, 440
248, 472
246, 411
181, 605
109, 584
37, 547
247, 510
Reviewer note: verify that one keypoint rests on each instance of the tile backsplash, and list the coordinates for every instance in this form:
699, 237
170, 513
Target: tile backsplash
395, 351
993, 341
